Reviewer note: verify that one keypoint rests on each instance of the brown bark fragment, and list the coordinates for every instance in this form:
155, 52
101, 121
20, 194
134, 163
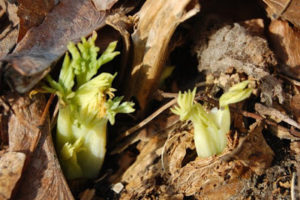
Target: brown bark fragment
3, 131
285, 41
11, 166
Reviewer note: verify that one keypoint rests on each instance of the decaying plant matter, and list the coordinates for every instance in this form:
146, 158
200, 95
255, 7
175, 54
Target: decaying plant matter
165, 46
151, 40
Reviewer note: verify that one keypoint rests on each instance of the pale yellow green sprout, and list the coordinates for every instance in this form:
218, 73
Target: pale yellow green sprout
210, 128
86, 104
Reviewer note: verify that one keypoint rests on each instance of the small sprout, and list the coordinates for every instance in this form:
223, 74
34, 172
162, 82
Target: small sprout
87, 104
210, 128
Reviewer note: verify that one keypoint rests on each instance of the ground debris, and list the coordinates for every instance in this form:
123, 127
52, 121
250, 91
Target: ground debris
29, 134
8, 28
271, 88
286, 9
166, 167
226, 42
43, 178
233, 46
151, 38
295, 106
11, 166
276, 114
285, 40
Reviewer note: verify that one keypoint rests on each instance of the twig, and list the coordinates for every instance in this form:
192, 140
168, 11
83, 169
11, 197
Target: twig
149, 119
263, 110
54, 116
46, 110
293, 81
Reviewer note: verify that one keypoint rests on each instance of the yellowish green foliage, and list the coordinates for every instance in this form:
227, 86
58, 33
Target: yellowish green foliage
87, 103
210, 128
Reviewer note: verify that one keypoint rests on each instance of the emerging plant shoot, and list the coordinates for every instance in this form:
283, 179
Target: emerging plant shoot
210, 128
86, 104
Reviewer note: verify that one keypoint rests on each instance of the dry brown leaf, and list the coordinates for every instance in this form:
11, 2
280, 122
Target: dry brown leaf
30, 133
44, 45
286, 9
123, 25
24, 121
43, 178
8, 28
283, 133
253, 151
285, 41
32, 14
11, 166
156, 23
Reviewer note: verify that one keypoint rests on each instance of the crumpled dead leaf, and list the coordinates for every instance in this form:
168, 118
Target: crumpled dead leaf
32, 14
24, 121
29, 133
8, 28
42, 46
11, 166
43, 178
156, 23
